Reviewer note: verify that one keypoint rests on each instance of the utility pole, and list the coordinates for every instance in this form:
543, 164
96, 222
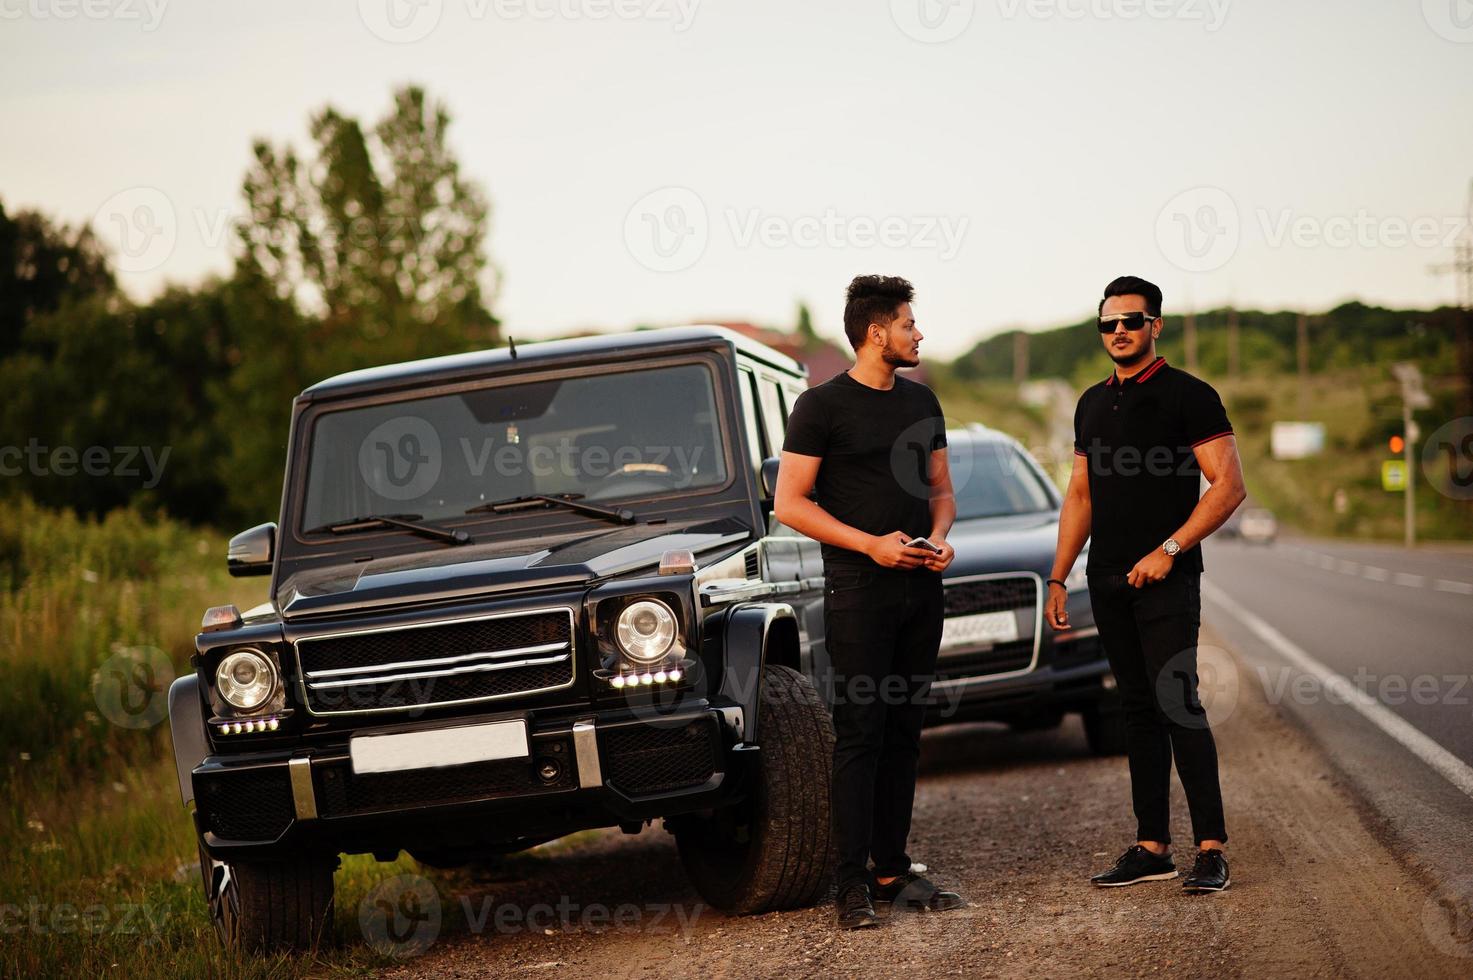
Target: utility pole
1301, 346
1413, 396
1462, 269
1020, 357
1233, 363
1189, 340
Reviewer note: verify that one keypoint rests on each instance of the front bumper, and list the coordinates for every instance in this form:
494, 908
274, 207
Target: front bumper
592, 769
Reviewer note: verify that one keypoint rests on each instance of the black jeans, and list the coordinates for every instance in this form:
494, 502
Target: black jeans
1150, 638
882, 628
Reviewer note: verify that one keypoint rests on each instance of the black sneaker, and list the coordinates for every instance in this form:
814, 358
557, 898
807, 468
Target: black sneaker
1209, 873
913, 893
855, 910
1137, 864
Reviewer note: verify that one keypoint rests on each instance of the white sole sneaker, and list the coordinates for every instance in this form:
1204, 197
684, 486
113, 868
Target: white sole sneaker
1164, 876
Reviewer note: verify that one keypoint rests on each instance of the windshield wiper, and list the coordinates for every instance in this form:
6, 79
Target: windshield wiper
572, 501
409, 522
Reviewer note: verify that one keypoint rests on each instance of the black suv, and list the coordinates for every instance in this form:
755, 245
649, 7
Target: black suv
516, 594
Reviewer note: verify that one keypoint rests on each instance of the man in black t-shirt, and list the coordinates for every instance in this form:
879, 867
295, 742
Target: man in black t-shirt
871, 446
1144, 438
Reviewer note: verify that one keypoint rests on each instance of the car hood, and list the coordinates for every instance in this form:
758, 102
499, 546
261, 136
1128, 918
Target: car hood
455, 573
1021, 542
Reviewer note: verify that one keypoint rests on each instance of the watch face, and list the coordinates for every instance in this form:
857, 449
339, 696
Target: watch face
1171, 547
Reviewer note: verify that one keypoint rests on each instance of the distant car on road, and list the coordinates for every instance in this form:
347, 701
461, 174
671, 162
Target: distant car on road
1258, 525
998, 661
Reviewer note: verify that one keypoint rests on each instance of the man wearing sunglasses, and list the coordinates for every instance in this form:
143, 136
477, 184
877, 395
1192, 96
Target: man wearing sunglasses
1143, 440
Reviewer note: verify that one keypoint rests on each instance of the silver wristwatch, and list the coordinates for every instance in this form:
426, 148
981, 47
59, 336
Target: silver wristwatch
1171, 547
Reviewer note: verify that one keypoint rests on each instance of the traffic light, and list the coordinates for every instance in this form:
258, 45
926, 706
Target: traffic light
1398, 445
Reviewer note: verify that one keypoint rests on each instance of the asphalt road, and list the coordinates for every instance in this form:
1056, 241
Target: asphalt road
1368, 649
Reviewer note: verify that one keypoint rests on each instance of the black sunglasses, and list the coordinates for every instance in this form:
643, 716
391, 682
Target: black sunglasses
1131, 321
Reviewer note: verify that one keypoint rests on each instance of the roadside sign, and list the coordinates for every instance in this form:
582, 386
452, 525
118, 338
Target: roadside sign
1394, 475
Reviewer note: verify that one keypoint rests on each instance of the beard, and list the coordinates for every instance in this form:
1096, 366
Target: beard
1128, 355
893, 357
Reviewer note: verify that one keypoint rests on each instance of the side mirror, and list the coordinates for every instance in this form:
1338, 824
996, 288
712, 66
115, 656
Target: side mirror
251, 552
769, 477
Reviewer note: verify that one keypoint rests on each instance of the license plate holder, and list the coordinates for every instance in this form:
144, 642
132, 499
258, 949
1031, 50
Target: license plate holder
439, 747
979, 629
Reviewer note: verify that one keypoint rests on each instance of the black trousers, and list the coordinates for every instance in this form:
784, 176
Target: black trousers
1150, 638
882, 628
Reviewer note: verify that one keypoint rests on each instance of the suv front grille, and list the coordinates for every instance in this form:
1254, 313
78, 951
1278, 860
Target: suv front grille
402, 668
991, 595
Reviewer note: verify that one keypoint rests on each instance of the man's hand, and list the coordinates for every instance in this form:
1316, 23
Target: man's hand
939, 562
1150, 569
891, 551
1057, 609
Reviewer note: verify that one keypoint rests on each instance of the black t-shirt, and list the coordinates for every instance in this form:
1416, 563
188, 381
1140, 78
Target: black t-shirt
1144, 481
875, 447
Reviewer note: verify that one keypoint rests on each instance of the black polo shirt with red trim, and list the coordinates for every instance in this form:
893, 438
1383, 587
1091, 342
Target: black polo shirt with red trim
1139, 439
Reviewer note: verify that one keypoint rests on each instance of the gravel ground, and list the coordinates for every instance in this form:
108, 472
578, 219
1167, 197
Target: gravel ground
1016, 823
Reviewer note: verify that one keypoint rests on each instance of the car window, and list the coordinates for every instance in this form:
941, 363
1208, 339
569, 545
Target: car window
994, 480
773, 415
751, 418
612, 435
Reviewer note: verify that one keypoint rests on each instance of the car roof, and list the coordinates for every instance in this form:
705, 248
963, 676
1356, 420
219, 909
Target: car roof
977, 432
435, 370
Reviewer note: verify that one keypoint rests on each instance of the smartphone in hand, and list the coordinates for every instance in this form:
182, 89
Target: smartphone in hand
923, 544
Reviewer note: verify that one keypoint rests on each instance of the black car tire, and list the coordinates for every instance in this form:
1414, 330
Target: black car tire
774, 850
270, 906
1104, 726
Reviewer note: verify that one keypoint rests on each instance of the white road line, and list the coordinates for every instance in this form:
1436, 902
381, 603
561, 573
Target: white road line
1375, 573
1409, 580
1347, 567
1457, 588
1413, 740
1327, 563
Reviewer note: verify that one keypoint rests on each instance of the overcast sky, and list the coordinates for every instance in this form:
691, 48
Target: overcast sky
662, 161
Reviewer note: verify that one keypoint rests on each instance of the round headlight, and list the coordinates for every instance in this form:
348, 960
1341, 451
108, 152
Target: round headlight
646, 631
245, 679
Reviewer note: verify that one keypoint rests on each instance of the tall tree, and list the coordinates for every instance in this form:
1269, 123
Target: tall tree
43, 265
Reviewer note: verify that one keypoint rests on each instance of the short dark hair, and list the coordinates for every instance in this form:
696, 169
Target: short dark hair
873, 299
1135, 286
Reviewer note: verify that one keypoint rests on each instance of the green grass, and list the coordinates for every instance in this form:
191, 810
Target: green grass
101, 870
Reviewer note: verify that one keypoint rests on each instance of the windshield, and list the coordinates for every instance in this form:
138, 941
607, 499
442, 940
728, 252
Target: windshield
994, 480
616, 435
